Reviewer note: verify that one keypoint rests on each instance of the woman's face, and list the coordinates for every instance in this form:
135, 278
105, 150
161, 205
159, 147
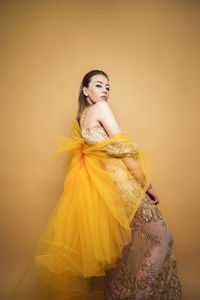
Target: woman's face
98, 89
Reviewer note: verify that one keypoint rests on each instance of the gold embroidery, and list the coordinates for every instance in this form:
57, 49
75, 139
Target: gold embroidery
122, 149
145, 276
128, 186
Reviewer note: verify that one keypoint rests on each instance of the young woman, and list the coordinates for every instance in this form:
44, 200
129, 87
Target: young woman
147, 269
106, 233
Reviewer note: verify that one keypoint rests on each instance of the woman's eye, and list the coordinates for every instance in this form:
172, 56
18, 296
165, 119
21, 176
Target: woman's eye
98, 85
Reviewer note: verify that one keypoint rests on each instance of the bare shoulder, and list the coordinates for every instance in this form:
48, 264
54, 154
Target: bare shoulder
101, 104
102, 108
106, 117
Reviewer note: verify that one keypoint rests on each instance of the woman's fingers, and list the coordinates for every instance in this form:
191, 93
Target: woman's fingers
153, 196
156, 201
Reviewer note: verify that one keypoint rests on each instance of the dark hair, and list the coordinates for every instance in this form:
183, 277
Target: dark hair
82, 102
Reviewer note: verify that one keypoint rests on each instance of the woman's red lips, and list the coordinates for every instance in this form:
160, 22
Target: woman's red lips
104, 97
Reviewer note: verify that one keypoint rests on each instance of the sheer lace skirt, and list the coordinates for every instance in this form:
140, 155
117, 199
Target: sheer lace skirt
147, 269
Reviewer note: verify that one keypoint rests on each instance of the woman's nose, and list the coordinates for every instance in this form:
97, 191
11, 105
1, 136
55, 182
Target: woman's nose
105, 91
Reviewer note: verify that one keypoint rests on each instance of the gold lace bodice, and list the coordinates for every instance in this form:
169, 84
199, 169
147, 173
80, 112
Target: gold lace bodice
92, 135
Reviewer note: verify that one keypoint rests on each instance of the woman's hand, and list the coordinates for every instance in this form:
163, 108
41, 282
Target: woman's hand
153, 196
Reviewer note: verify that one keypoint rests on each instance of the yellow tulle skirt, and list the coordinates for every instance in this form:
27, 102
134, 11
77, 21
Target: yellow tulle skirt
90, 224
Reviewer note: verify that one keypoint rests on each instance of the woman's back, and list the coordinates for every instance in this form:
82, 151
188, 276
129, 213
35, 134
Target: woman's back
91, 133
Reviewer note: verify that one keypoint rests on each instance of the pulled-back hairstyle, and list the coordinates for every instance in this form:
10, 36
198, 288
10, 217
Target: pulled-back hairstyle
82, 102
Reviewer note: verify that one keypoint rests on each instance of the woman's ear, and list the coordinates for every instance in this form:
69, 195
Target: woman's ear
85, 92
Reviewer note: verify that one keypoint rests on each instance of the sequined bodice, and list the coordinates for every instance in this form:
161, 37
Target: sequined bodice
92, 135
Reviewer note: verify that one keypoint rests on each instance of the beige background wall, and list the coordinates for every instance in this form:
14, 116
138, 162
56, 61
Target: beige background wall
150, 50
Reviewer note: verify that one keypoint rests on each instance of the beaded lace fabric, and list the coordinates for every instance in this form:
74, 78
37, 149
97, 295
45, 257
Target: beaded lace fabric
147, 269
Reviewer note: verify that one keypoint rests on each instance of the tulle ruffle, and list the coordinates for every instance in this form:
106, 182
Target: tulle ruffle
89, 225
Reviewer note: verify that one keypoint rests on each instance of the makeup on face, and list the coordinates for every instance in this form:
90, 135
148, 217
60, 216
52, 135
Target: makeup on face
107, 85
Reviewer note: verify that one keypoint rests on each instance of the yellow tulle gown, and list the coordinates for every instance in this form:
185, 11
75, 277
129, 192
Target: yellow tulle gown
91, 222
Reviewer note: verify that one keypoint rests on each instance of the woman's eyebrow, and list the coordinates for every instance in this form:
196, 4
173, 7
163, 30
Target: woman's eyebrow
101, 82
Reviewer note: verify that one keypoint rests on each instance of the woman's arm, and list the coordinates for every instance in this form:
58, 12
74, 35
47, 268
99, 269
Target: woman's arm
135, 170
106, 117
